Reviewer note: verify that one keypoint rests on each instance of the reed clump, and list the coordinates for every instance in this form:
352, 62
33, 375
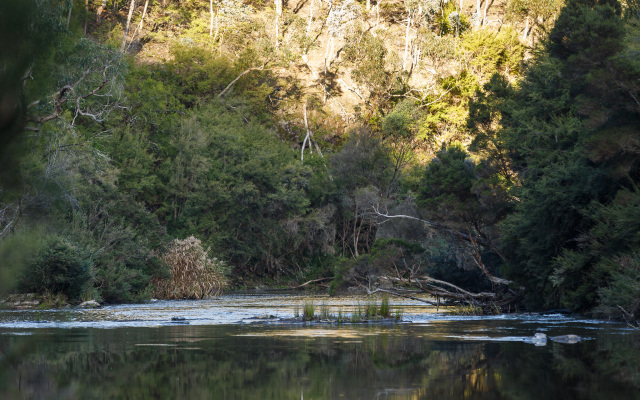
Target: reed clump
325, 312
193, 274
370, 311
399, 314
385, 311
308, 311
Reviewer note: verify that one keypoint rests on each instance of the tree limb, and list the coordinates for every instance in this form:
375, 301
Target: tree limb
238, 78
311, 281
436, 226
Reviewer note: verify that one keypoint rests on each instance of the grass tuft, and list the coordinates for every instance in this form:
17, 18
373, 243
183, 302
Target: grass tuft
385, 311
308, 311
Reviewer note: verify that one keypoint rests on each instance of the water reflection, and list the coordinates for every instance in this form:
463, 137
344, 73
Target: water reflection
315, 362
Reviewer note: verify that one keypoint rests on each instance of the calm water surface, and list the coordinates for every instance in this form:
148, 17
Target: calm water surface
137, 352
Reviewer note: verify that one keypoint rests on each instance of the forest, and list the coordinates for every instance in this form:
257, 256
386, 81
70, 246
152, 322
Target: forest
483, 153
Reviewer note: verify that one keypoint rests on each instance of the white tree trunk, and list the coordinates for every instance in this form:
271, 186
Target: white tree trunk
484, 16
132, 6
478, 13
278, 14
308, 136
69, 15
144, 14
310, 18
406, 42
526, 30
211, 23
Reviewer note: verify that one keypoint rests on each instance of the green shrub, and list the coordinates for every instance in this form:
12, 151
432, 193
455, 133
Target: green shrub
491, 51
339, 271
120, 284
57, 267
450, 21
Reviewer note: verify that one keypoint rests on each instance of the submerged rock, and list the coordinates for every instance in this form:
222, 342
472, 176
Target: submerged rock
568, 339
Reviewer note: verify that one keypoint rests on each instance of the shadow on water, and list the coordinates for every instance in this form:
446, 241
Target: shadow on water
440, 359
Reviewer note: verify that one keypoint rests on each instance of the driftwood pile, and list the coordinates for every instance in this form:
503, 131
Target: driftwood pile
502, 299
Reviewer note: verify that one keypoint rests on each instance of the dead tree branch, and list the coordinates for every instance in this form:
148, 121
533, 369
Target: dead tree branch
262, 68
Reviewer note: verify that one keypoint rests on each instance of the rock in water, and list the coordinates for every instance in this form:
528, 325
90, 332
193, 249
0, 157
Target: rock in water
569, 339
539, 339
89, 304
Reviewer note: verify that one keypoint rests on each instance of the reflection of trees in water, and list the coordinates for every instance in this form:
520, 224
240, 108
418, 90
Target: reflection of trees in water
621, 358
102, 364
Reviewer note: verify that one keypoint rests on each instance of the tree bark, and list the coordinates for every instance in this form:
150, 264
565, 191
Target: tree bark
86, 17
132, 6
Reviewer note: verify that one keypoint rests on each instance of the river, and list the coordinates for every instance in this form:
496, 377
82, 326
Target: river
235, 347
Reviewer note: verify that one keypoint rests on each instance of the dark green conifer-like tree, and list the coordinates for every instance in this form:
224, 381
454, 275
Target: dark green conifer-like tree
564, 130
